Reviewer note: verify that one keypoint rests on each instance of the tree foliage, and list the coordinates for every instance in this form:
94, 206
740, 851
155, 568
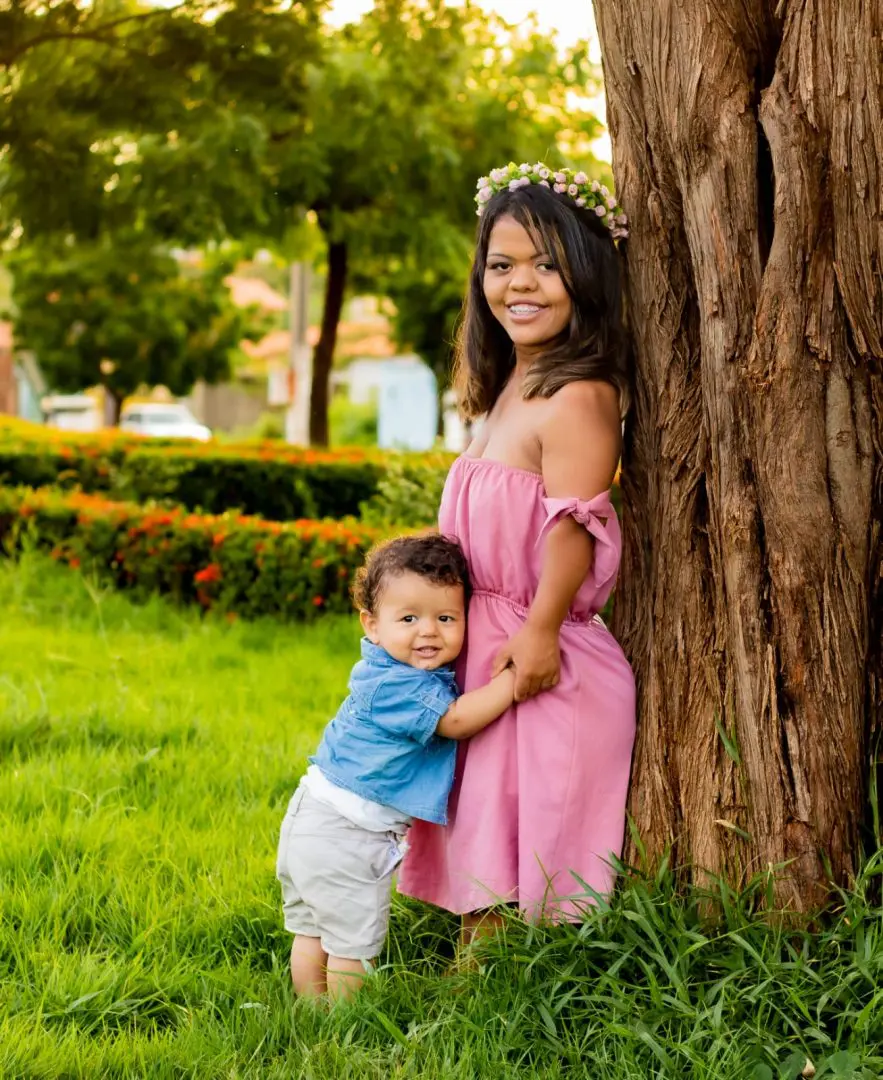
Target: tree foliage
125, 317
208, 121
116, 112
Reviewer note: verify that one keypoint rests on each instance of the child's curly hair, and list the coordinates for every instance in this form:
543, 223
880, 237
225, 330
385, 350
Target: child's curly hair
434, 557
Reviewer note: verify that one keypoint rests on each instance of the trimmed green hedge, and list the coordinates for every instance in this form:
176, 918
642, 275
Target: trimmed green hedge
269, 480
275, 487
233, 564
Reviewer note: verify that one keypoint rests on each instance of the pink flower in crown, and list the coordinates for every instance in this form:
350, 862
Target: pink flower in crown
622, 219
524, 168
580, 202
483, 182
573, 191
600, 211
596, 186
499, 175
560, 188
545, 173
580, 179
561, 178
611, 202
485, 194
514, 185
604, 191
542, 183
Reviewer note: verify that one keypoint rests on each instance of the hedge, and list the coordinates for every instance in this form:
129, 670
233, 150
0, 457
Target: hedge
233, 564
268, 480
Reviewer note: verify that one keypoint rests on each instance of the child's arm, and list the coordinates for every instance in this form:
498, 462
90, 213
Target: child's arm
472, 712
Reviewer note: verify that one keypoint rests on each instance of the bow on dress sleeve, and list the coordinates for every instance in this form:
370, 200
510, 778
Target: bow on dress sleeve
598, 516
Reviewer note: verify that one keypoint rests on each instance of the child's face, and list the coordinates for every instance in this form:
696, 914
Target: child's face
418, 623
524, 291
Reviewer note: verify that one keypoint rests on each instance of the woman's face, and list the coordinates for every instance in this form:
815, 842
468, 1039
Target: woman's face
523, 289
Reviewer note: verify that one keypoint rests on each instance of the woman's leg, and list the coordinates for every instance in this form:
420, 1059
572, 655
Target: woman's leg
478, 925
308, 967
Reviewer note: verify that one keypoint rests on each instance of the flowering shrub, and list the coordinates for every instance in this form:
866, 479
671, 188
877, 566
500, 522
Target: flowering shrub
233, 564
268, 480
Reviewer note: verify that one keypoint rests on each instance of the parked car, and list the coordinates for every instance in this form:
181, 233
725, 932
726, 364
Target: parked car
163, 421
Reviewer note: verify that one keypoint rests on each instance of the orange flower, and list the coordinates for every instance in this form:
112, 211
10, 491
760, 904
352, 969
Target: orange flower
209, 574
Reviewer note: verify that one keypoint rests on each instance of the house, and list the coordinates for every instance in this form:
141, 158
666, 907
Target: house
255, 292
21, 382
8, 393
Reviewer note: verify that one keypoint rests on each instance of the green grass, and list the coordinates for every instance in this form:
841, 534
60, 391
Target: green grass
145, 761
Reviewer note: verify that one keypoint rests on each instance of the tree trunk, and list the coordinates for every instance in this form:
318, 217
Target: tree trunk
323, 354
113, 404
747, 143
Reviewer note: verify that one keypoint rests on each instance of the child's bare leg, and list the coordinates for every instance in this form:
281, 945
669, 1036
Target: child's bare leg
308, 960
344, 977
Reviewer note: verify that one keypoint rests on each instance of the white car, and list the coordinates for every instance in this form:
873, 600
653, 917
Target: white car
164, 422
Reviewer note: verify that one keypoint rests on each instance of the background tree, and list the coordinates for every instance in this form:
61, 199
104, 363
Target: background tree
115, 112
125, 128
125, 317
747, 142
408, 108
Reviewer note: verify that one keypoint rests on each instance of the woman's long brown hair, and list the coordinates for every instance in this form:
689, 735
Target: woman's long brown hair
591, 347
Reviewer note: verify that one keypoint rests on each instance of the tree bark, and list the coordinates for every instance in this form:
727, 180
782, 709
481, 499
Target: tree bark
747, 143
323, 354
113, 406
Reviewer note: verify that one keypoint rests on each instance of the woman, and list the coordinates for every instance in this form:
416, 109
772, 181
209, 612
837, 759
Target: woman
538, 806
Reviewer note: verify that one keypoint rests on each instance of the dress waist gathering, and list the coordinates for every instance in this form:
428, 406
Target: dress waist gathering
590, 619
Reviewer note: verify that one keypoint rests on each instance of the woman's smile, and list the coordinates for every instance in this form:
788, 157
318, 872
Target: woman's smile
522, 312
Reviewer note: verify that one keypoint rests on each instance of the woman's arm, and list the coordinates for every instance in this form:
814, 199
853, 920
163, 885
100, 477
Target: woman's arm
581, 439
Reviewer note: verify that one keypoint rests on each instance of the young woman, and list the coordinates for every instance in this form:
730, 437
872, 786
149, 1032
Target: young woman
538, 805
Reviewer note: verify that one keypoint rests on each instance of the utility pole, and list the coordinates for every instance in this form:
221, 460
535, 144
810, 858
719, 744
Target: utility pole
300, 359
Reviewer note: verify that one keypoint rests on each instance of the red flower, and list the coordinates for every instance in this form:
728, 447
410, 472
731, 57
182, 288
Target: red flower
74, 564
209, 574
318, 601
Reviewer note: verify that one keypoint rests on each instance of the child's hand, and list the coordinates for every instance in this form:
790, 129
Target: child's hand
536, 657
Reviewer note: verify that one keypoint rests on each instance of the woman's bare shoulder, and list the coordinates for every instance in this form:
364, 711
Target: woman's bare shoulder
585, 401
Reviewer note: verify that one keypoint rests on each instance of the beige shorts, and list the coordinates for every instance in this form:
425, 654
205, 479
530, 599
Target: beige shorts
336, 878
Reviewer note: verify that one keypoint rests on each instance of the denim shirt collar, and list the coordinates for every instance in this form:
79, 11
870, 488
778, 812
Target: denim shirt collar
374, 654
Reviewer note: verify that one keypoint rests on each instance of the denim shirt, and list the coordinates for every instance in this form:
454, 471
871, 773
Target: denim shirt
382, 743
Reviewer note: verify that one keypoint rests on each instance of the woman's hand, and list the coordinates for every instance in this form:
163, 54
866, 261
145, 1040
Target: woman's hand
534, 653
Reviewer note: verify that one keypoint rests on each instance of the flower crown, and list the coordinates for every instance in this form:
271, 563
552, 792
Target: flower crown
585, 193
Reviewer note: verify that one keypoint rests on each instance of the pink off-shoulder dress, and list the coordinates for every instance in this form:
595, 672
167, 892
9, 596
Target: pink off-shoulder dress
538, 804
